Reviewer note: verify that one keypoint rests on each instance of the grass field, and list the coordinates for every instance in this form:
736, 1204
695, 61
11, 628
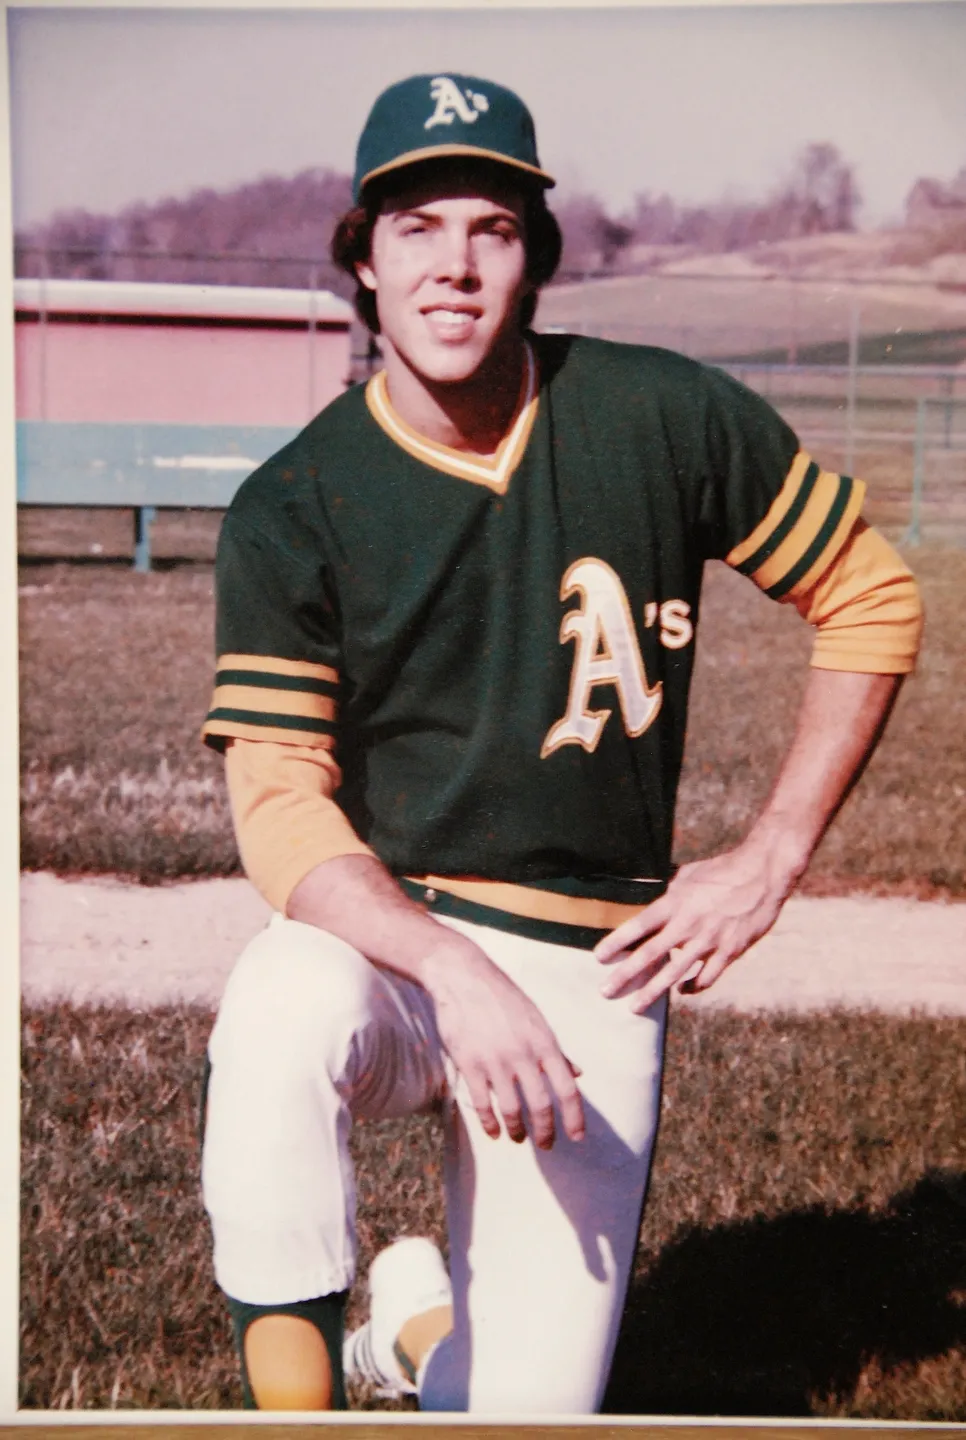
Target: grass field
115, 678
803, 1251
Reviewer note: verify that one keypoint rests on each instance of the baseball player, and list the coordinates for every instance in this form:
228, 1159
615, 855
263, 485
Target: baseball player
455, 633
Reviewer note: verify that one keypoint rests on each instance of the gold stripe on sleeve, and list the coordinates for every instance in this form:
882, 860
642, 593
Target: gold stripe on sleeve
835, 542
777, 511
805, 530
270, 665
274, 702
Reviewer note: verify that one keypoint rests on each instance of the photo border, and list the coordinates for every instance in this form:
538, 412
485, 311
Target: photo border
223, 1425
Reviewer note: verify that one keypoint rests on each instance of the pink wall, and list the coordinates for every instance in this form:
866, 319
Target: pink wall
176, 373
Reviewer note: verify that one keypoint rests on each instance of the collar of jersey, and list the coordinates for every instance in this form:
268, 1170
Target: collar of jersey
494, 470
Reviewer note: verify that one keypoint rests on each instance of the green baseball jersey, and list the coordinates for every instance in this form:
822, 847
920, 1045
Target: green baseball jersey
499, 649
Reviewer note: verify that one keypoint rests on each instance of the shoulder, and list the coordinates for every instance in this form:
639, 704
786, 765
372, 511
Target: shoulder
625, 370
646, 396
291, 480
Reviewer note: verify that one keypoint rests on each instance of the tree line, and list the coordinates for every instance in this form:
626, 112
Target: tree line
275, 231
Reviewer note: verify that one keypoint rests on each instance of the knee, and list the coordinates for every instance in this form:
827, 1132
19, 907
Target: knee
296, 993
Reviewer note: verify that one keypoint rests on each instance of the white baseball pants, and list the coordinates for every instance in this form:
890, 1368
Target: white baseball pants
310, 1035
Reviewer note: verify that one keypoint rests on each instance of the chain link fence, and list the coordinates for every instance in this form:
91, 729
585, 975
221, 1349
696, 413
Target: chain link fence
870, 374
938, 506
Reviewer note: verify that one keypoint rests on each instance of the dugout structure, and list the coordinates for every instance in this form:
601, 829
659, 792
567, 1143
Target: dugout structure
139, 396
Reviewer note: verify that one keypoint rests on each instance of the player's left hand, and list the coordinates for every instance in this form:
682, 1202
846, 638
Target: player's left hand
709, 915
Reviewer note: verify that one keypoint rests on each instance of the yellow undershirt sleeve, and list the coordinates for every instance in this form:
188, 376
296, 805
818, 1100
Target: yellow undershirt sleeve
866, 609
286, 820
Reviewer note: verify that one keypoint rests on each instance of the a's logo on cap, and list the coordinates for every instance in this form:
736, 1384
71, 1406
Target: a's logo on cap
452, 103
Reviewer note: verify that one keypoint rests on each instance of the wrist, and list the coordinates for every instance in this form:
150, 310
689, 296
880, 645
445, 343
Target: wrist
444, 960
780, 851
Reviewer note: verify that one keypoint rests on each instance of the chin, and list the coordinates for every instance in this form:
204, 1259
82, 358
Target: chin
450, 367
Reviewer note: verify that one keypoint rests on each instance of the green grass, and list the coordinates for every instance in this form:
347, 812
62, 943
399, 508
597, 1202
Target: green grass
115, 677
803, 1249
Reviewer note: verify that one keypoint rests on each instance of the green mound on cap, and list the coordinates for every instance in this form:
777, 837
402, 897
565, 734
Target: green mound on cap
437, 115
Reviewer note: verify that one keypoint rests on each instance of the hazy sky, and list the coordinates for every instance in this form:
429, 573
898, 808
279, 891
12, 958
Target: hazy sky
112, 106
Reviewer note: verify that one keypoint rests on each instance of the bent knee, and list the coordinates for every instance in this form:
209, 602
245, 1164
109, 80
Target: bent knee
294, 989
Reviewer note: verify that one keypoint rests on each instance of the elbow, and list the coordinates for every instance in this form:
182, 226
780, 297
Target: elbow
879, 632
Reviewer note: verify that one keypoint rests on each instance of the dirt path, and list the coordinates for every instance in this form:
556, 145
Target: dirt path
106, 940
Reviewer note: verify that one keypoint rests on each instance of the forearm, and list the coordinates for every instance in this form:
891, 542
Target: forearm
868, 618
495, 1036
714, 909
840, 720
303, 855
356, 898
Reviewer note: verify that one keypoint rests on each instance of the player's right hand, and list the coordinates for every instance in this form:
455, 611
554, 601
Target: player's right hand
503, 1047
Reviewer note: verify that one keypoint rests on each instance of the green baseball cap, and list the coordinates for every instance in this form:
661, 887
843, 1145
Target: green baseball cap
428, 116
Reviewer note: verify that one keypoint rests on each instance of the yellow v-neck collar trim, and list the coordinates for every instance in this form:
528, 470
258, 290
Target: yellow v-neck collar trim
494, 470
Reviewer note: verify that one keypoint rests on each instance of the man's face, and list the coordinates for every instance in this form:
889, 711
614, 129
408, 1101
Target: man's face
447, 265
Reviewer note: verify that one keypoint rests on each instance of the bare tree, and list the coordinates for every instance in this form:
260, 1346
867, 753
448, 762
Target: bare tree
592, 239
824, 190
273, 231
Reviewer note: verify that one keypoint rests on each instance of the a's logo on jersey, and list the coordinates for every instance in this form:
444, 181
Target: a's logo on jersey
453, 104
676, 627
607, 654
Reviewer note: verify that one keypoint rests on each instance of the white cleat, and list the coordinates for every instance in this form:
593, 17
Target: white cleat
406, 1279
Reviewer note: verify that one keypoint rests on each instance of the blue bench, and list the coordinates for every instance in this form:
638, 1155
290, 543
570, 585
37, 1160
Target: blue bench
142, 468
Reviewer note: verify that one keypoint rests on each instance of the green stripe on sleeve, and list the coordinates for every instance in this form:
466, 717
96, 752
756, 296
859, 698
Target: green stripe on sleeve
828, 528
279, 722
785, 526
265, 680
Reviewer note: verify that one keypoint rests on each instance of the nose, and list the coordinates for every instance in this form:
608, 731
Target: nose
457, 258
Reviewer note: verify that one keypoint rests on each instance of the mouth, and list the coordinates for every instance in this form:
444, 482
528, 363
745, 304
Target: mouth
452, 323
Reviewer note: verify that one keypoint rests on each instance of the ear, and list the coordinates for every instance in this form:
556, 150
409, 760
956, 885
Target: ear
366, 274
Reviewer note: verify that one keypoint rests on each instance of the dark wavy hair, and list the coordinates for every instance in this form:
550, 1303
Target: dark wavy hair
352, 244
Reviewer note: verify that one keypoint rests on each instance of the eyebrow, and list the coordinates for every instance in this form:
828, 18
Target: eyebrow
493, 218
414, 213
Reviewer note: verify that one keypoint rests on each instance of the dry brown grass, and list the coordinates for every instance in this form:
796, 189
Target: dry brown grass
115, 679
905, 825
99, 535
803, 1250
116, 670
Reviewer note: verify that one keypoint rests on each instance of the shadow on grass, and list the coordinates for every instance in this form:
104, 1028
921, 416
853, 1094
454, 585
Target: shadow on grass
762, 1317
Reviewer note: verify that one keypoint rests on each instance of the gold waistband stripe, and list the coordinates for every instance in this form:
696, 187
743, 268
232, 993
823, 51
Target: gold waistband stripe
533, 904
